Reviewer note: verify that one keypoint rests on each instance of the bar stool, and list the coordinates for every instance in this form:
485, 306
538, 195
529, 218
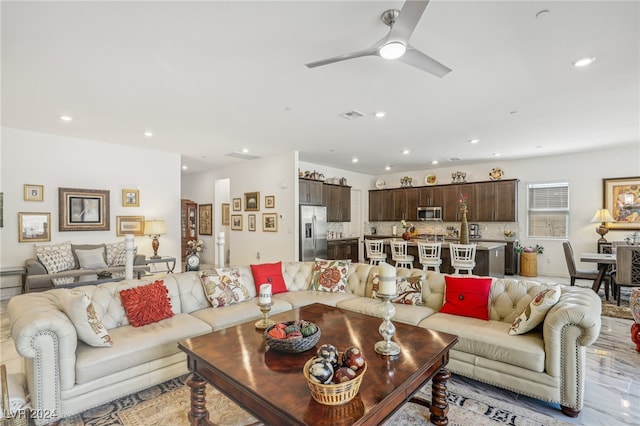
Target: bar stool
429, 255
399, 254
463, 257
375, 251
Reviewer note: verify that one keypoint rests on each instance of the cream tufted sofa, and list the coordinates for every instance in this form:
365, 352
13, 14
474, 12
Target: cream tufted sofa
66, 376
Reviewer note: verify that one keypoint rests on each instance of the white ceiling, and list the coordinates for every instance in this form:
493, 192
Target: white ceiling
209, 78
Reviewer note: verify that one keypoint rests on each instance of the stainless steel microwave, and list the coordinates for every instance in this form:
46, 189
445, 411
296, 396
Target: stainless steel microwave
429, 213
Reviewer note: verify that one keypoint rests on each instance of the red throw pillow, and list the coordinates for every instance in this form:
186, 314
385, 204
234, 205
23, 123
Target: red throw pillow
269, 273
468, 297
146, 304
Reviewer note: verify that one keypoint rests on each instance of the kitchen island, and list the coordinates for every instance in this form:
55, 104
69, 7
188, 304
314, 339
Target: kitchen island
489, 256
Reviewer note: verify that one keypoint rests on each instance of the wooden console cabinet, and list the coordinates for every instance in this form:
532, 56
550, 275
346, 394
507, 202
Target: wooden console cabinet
189, 221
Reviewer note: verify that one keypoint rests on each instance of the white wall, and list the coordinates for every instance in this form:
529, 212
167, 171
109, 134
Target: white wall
583, 171
55, 161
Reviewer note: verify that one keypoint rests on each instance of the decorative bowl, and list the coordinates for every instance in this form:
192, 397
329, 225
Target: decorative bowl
292, 346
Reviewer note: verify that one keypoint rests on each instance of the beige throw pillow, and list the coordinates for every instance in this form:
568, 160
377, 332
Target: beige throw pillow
82, 314
91, 259
224, 289
535, 312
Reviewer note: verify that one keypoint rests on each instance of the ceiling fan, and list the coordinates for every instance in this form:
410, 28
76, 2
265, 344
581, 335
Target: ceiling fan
395, 45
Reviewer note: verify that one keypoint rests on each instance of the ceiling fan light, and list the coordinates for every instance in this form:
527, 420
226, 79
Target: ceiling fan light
393, 50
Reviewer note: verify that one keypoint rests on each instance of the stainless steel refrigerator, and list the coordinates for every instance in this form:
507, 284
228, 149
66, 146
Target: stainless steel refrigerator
313, 232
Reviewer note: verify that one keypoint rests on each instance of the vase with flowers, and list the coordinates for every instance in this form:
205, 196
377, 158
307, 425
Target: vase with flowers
409, 230
464, 227
529, 259
195, 247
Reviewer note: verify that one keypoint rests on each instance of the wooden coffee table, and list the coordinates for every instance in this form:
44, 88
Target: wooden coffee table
270, 385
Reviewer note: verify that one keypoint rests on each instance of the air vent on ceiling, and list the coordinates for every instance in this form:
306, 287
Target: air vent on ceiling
352, 115
454, 159
241, 156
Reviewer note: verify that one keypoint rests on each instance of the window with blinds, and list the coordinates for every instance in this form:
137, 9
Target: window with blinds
548, 210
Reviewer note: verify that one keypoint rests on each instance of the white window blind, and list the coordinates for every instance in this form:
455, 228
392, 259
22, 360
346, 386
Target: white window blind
548, 210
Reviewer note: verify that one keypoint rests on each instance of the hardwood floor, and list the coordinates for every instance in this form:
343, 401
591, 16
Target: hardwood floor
612, 389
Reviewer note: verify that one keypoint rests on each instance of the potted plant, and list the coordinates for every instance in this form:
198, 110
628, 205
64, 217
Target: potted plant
529, 259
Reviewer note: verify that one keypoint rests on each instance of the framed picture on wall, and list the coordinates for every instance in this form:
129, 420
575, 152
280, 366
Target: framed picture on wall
270, 201
236, 222
34, 227
131, 198
83, 209
133, 225
206, 219
622, 199
225, 214
251, 222
269, 222
237, 204
251, 201
33, 192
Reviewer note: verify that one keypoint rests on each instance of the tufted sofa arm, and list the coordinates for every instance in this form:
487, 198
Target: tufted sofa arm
47, 339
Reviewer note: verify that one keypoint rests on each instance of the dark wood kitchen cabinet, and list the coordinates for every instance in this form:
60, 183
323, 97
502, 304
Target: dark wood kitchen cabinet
337, 198
451, 201
405, 204
343, 249
495, 201
430, 196
310, 192
381, 207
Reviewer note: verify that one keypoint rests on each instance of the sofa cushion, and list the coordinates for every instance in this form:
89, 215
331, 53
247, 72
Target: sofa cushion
330, 275
409, 290
533, 314
307, 297
76, 247
56, 257
238, 313
146, 304
269, 273
91, 259
468, 297
78, 307
408, 314
224, 289
134, 346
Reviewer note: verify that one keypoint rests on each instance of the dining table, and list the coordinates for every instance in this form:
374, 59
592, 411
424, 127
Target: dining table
603, 260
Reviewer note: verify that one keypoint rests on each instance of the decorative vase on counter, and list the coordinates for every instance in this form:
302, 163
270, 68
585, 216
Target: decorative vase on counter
464, 228
406, 236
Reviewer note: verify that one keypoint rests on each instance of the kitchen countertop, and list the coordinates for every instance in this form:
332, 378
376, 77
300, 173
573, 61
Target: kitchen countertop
483, 245
343, 239
481, 239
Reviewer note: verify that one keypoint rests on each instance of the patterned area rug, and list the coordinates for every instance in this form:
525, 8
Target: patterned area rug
167, 404
610, 309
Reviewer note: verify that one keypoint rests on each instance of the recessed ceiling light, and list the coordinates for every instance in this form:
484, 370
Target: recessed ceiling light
65, 118
406, 152
474, 141
393, 50
387, 168
245, 150
185, 167
434, 162
497, 154
583, 62
354, 160
148, 134
380, 114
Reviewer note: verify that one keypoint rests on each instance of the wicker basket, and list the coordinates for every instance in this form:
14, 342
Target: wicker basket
334, 394
292, 346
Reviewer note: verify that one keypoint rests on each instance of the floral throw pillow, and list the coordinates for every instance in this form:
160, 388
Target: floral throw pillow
224, 289
409, 290
535, 312
82, 314
330, 276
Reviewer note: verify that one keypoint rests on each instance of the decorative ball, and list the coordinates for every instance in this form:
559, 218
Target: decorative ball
353, 358
343, 374
330, 353
321, 371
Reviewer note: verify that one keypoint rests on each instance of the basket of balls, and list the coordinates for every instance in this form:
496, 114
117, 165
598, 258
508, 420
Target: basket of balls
292, 336
334, 377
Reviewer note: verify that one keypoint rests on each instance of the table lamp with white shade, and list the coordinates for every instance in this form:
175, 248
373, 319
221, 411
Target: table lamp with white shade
603, 216
155, 228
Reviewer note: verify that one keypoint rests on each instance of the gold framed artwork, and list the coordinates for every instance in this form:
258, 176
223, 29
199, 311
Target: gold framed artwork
225, 214
251, 201
269, 201
269, 222
131, 198
622, 199
33, 192
236, 222
83, 210
205, 215
133, 225
34, 227
237, 204
251, 222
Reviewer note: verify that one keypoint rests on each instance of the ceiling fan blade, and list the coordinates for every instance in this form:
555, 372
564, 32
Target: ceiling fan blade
373, 50
424, 62
407, 21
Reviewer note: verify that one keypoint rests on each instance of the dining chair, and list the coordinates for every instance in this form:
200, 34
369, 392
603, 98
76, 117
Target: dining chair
627, 273
584, 274
429, 255
399, 254
463, 257
375, 251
